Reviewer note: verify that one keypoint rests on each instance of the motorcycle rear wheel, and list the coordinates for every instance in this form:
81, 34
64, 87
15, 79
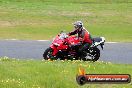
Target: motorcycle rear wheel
94, 54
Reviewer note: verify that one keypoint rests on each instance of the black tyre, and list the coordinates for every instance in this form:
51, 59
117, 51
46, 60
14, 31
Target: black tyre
95, 54
48, 53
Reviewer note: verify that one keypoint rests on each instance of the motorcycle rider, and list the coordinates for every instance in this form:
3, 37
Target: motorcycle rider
83, 35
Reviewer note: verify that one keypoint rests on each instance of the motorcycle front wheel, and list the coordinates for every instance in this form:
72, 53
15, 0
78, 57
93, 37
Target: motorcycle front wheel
48, 53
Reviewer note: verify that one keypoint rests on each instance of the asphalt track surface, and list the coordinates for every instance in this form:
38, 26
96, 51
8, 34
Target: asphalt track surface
22, 49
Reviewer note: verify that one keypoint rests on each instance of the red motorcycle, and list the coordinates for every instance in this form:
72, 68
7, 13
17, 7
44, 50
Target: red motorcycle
66, 47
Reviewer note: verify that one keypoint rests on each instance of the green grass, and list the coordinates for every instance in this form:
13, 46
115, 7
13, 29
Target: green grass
43, 19
15, 73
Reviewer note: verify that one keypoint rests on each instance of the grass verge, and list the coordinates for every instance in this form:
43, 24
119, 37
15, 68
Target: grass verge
43, 19
15, 73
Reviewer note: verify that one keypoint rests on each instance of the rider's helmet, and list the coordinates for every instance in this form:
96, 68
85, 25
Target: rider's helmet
78, 25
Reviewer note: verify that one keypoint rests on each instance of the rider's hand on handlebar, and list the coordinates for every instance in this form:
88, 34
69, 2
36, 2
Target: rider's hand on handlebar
81, 39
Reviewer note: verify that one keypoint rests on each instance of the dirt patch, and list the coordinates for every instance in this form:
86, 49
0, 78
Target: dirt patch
18, 23
5, 23
74, 14
86, 13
